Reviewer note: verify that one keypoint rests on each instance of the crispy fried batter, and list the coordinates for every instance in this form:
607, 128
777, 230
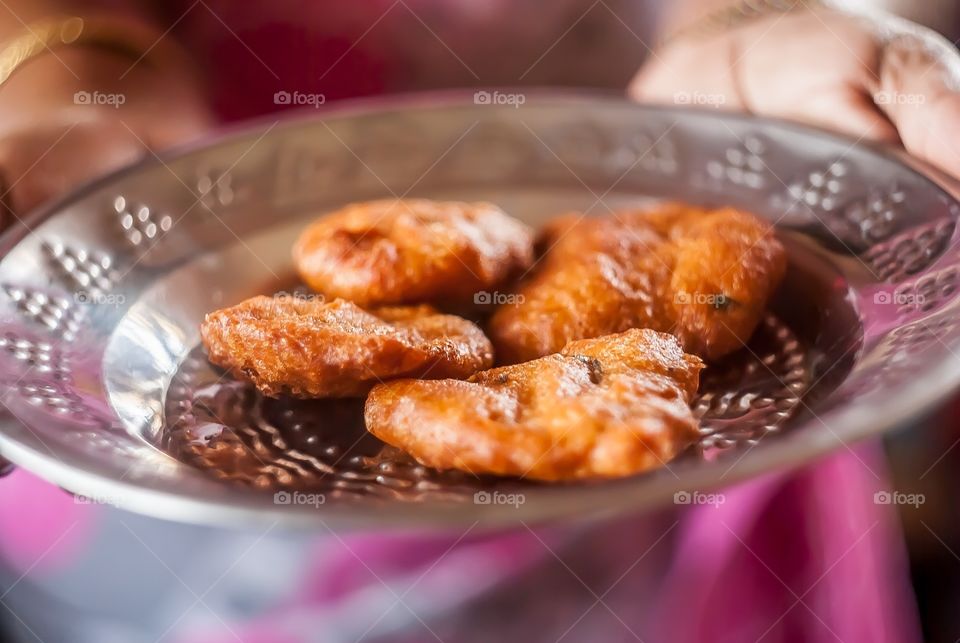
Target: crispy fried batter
412, 251
705, 276
335, 349
605, 407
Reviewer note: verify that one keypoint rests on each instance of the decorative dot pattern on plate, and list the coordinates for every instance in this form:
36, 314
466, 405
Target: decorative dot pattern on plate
743, 164
821, 189
911, 251
56, 313
927, 293
89, 271
58, 399
43, 357
139, 223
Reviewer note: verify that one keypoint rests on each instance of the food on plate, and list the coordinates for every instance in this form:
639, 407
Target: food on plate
604, 339
403, 251
600, 408
704, 275
312, 348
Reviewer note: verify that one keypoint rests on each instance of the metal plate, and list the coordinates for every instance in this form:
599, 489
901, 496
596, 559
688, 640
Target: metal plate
108, 396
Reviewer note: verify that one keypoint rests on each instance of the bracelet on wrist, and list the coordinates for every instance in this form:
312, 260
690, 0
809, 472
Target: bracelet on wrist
131, 38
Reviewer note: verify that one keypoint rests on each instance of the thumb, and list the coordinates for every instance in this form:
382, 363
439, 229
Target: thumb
918, 91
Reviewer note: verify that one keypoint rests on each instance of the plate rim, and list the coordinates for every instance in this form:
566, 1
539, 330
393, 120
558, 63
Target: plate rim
620, 496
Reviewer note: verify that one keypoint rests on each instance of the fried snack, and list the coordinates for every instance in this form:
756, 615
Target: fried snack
601, 408
412, 251
309, 348
705, 276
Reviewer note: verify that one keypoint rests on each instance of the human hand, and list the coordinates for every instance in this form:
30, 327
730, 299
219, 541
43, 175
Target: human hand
74, 114
877, 78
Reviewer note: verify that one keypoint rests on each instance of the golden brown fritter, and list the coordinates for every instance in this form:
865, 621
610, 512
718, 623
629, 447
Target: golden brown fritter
601, 408
705, 276
335, 349
412, 251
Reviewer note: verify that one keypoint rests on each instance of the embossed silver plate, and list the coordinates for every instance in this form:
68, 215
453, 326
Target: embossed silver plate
108, 396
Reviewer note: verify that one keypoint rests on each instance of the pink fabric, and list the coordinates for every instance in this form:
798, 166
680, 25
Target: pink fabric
43, 528
807, 557
365, 558
803, 558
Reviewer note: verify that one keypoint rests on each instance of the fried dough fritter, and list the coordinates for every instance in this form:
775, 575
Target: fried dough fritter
412, 251
705, 276
601, 408
336, 349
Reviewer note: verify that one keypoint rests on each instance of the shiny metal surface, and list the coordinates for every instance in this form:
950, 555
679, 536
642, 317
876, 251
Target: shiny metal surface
108, 396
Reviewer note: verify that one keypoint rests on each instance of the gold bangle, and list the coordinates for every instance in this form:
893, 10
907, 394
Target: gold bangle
129, 37
739, 14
